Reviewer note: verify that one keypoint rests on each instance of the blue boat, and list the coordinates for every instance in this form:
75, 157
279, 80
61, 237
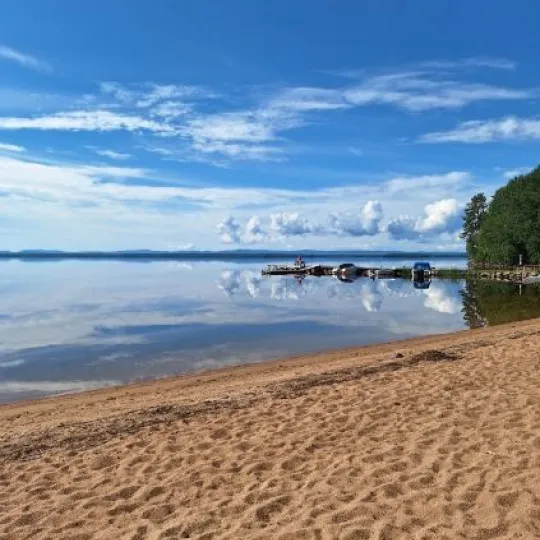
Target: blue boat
421, 271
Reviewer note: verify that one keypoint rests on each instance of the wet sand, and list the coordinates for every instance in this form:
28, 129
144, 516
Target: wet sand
432, 438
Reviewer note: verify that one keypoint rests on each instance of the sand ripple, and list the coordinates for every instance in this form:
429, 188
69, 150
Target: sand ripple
440, 443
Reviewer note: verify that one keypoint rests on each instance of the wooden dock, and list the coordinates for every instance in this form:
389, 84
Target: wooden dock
295, 270
379, 273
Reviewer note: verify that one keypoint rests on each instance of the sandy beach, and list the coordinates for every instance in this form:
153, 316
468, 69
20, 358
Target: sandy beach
434, 438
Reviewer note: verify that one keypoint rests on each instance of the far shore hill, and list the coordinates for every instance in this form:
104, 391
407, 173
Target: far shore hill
228, 254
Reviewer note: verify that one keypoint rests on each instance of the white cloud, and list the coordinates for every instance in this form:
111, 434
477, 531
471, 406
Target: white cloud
117, 91
440, 217
44, 196
239, 135
367, 223
421, 91
77, 185
150, 94
166, 92
25, 60
34, 176
99, 120
229, 231
482, 131
291, 224
473, 62
118, 156
438, 65
254, 232
230, 127
238, 151
185, 247
256, 132
11, 148
512, 173
415, 183
309, 99
171, 110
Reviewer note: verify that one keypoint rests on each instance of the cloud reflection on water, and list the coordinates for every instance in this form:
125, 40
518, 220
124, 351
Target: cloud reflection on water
75, 323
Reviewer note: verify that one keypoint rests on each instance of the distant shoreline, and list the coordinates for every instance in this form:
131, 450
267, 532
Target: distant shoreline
223, 255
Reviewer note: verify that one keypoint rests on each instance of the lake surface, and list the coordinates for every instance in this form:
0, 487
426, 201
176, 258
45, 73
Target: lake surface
74, 325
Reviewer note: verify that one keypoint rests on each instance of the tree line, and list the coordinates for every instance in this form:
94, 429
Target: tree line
507, 229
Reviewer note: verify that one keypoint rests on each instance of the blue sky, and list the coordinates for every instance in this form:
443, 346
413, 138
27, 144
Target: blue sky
211, 125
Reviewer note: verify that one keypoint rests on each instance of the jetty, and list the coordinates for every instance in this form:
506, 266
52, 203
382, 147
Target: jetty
297, 270
327, 270
361, 271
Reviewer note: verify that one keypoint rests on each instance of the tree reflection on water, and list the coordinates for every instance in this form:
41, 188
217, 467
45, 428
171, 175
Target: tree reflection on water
490, 303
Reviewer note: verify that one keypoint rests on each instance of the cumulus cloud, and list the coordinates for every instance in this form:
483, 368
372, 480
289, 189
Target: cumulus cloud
367, 223
254, 232
483, 131
292, 224
116, 190
440, 217
282, 225
229, 231
25, 60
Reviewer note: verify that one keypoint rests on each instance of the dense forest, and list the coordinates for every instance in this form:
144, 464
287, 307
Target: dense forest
509, 226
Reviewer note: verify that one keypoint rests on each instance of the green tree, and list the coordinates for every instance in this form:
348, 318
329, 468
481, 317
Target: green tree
511, 225
472, 221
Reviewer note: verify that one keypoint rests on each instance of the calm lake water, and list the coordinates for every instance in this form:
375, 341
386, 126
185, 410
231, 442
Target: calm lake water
73, 325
